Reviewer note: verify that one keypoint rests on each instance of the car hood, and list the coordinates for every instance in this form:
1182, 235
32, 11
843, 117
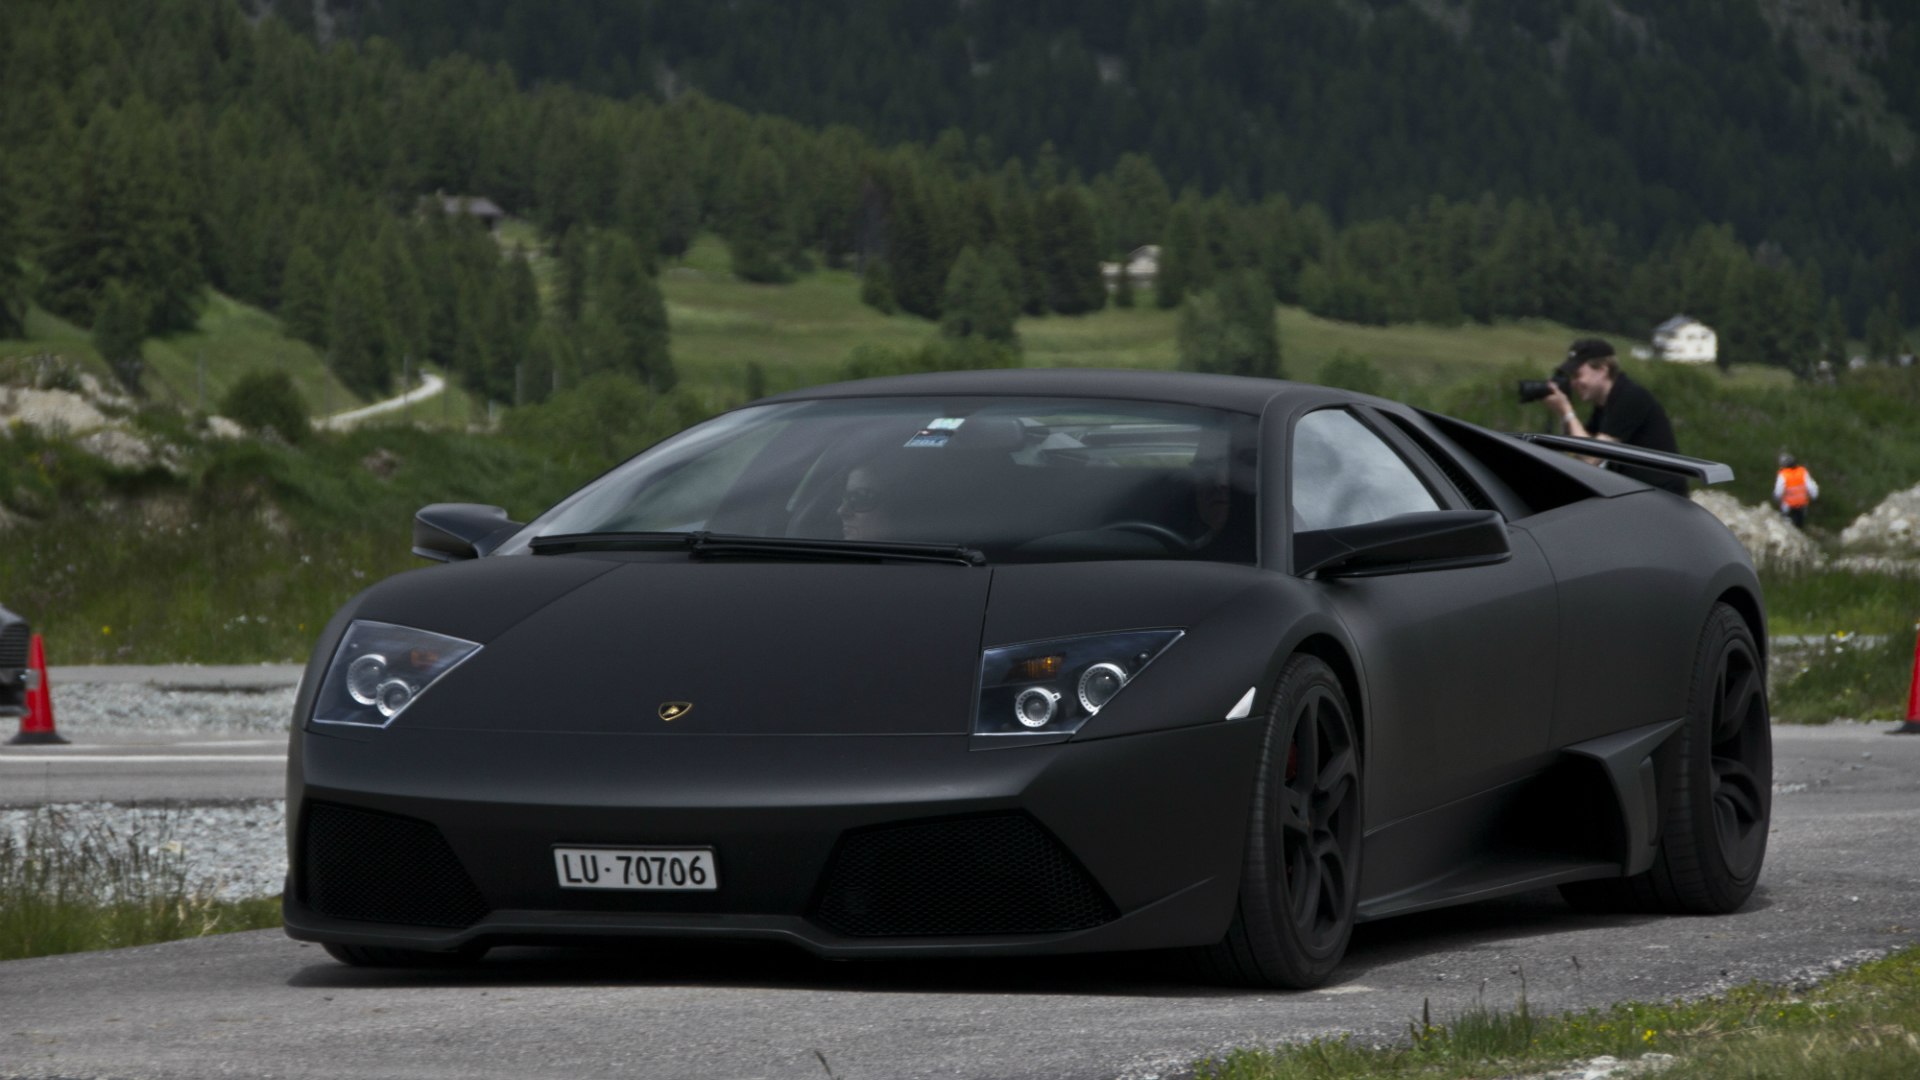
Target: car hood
747, 648
604, 643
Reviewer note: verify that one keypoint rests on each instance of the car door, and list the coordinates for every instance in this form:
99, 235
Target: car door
1458, 663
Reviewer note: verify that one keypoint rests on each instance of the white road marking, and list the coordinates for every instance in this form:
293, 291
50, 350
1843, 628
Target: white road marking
121, 759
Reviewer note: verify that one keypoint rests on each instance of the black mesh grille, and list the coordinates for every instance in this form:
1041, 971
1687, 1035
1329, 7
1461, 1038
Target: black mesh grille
382, 868
987, 875
14, 639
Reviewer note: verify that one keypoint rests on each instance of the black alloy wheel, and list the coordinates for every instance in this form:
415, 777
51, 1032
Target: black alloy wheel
1740, 760
1715, 785
1301, 876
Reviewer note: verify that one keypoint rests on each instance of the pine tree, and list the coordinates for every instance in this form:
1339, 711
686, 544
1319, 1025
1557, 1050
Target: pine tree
1833, 337
1074, 284
13, 281
631, 304
760, 226
359, 340
305, 294
119, 327
1230, 329
1885, 338
1023, 240
876, 288
1139, 204
912, 267
471, 351
403, 295
127, 214
571, 281
516, 319
679, 217
977, 301
1185, 262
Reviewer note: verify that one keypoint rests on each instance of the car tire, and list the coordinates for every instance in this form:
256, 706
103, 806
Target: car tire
1300, 876
1715, 788
381, 956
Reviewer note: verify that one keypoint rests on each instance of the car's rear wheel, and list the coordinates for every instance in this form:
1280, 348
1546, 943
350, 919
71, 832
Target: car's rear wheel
384, 956
1715, 783
1301, 874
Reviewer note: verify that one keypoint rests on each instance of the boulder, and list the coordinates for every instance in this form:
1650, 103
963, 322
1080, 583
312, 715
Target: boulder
1770, 539
1892, 528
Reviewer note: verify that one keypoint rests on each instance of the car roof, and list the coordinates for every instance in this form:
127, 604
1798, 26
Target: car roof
1235, 393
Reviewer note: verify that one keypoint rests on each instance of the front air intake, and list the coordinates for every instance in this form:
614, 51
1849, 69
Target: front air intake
375, 867
998, 874
15, 640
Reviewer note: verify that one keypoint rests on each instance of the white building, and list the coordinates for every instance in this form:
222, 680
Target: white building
1143, 265
1686, 340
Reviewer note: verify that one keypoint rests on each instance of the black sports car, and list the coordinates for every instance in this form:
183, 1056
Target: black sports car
1039, 662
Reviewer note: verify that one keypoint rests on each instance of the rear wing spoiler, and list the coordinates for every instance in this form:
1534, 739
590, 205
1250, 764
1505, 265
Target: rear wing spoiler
1707, 472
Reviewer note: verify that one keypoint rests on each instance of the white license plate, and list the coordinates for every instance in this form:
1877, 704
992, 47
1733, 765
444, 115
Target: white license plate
642, 869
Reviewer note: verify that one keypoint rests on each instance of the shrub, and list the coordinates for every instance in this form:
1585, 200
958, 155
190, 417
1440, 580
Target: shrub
268, 401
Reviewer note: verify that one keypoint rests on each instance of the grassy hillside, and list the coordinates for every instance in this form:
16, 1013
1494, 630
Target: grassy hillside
1856, 436
192, 370
242, 556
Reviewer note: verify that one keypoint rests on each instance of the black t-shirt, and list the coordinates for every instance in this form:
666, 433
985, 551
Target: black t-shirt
1632, 416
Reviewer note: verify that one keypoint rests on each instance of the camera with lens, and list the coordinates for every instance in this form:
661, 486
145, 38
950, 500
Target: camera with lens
1535, 389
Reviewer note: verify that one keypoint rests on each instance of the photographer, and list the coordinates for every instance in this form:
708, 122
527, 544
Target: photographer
1624, 411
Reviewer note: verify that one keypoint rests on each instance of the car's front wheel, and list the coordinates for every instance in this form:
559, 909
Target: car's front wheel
1300, 876
1715, 783
379, 956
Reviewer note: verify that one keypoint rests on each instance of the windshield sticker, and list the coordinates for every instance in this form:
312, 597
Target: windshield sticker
937, 431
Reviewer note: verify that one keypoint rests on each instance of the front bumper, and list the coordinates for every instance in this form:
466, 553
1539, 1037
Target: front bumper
1153, 824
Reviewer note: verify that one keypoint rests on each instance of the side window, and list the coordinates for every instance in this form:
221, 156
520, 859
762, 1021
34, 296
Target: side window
1344, 474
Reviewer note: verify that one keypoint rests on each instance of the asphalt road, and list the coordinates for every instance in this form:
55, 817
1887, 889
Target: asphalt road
101, 764
145, 769
1842, 883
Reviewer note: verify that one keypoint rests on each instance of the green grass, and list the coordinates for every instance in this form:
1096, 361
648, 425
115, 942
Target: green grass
1840, 602
1859, 1025
247, 559
800, 334
1847, 677
194, 369
102, 889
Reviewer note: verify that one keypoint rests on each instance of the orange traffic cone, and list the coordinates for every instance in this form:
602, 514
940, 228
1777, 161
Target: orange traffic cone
37, 725
1912, 726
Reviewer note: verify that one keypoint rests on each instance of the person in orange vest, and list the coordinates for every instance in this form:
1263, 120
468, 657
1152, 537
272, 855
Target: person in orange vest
1794, 488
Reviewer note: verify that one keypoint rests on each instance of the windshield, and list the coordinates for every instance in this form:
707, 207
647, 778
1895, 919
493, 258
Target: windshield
1019, 479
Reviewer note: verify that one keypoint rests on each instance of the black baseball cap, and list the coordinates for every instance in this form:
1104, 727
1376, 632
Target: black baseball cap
1583, 350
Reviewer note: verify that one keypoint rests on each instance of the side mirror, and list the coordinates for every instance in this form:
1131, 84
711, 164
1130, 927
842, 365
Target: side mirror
450, 532
1409, 543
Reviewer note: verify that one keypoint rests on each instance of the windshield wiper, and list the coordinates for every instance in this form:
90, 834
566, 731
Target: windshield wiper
721, 545
610, 541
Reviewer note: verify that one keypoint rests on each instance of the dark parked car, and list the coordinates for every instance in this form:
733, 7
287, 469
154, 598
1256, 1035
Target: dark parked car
16, 638
1039, 662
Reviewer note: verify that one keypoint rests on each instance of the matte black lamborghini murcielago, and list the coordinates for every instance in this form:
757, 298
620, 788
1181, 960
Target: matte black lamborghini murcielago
1039, 662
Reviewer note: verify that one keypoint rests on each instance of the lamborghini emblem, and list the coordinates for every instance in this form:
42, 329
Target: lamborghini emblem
674, 710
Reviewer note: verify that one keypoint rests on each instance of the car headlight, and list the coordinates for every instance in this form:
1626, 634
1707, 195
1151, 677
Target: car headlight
380, 669
1052, 687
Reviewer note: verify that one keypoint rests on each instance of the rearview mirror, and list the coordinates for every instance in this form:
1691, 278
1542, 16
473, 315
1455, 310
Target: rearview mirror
1408, 543
450, 532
